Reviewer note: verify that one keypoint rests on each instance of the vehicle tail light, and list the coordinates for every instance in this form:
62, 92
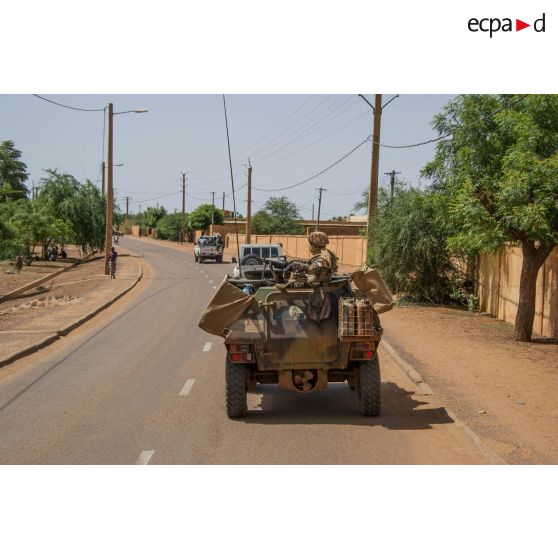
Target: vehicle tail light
362, 351
241, 353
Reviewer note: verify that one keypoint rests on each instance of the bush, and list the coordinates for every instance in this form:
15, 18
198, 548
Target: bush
168, 227
410, 246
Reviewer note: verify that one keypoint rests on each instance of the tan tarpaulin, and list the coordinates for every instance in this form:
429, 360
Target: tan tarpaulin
227, 305
372, 285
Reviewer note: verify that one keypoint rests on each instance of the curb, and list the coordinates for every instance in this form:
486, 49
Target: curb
63, 332
425, 389
411, 373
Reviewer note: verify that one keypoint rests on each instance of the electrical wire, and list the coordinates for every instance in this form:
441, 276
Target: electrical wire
67, 106
159, 197
245, 151
433, 140
293, 128
318, 173
293, 153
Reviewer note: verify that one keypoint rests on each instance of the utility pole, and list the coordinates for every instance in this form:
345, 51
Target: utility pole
391, 182
127, 203
312, 211
182, 225
103, 178
373, 191
109, 200
248, 235
223, 203
212, 212
319, 206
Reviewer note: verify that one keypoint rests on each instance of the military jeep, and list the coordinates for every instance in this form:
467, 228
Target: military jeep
302, 339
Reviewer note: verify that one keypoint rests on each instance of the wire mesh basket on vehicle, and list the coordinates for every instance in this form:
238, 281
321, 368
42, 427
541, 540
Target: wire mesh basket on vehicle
356, 319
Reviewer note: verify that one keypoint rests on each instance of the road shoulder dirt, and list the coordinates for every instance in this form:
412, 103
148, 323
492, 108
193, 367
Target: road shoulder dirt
506, 392
36, 319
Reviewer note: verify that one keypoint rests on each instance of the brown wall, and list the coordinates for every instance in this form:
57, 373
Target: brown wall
351, 250
499, 275
338, 229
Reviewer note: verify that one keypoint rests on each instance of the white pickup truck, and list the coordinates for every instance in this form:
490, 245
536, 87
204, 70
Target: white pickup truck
209, 248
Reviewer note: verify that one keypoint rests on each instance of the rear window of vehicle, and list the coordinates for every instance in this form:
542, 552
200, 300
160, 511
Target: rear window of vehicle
252, 250
265, 251
274, 252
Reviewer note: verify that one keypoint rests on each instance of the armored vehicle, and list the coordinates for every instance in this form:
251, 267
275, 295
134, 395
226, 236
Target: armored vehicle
302, 339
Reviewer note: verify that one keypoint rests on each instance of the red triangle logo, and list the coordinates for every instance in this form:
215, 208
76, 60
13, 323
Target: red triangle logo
519, 25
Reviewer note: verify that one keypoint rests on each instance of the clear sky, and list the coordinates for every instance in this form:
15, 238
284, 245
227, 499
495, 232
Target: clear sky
287, 137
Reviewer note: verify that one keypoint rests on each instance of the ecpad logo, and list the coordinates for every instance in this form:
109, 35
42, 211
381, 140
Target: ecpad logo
493, 25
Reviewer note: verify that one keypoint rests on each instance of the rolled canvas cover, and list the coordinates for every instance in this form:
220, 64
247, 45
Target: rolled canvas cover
226, 306
372, 285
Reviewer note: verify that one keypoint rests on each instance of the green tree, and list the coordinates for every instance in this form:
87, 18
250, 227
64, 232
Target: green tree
13, 173
362, 203
152, 215
277, 217
499, 171
410, 245
9, 244
62, 196
200, 218
33, 225
168, 228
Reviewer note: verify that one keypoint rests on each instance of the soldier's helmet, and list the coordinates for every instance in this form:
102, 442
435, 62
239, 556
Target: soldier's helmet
318, 239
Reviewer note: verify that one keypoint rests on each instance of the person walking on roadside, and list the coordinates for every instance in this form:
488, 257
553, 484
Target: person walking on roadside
112, 262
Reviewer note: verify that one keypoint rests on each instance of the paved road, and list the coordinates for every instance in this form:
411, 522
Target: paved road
143, 384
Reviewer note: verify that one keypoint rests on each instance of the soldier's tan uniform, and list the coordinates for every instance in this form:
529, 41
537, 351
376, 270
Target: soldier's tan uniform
323, 263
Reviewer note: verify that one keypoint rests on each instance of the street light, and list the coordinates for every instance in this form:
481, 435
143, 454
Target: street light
103, 166
110, 191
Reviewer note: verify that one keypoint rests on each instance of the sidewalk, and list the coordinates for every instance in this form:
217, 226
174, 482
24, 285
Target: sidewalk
506, 392
39, 317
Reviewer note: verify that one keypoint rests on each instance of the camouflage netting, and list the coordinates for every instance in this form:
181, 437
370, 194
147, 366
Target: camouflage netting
229, 302
370, 283
226, 306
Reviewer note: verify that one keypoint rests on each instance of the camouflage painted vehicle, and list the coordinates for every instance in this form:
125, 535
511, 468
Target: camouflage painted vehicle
302, 339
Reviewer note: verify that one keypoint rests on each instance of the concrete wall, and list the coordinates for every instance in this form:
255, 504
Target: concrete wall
350, 250
498, 287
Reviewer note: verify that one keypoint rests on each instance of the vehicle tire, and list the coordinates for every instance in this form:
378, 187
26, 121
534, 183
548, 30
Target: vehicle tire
235, 378
220, 259
370, 387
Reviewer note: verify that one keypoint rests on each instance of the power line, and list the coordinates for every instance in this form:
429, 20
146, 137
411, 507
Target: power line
270, 163
245, 151
433, 140
159, 197
293, 128
67, 106
317, 174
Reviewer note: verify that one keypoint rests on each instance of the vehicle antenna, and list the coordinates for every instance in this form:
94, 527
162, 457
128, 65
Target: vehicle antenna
232, 184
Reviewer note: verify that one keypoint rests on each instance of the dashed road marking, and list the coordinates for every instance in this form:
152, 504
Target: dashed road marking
187, 387
144, 457
211, 280
214, 287
207, 347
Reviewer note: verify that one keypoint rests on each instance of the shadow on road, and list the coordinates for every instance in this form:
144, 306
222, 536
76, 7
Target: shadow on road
339, 405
